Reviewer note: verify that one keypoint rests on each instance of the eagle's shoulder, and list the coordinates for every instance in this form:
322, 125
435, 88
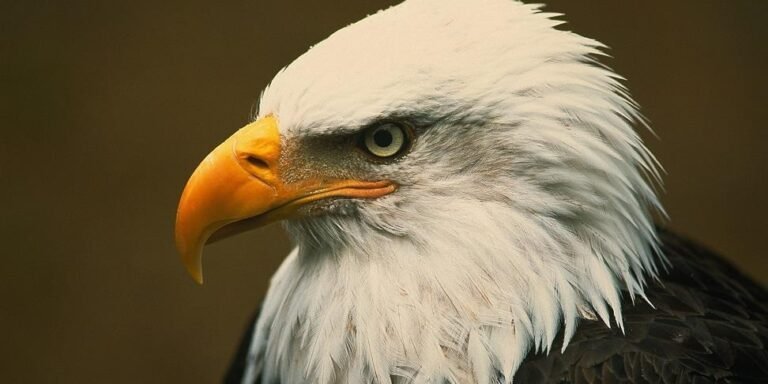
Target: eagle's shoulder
709, 324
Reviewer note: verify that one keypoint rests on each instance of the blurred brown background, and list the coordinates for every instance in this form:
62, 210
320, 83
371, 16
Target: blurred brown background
106, 108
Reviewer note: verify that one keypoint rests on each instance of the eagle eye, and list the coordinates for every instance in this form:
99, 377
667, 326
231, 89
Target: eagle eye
386, 140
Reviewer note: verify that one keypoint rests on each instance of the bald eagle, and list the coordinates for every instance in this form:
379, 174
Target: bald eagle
469, 203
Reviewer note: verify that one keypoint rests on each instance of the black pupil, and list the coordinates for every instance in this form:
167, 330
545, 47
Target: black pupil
382, 138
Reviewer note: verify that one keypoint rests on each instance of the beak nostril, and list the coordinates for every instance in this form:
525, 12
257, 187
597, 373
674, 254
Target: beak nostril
257, 162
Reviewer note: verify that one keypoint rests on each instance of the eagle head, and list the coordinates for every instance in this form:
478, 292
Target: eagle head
461, 179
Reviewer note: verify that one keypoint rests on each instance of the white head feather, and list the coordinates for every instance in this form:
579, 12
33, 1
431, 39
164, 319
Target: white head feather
521, 209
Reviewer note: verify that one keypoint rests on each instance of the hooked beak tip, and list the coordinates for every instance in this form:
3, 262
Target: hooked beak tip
192, 258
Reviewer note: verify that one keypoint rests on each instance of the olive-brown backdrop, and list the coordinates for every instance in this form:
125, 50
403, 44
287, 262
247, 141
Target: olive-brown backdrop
107, 107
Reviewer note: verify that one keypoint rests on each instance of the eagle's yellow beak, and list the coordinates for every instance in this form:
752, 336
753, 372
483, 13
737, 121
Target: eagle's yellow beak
238, 187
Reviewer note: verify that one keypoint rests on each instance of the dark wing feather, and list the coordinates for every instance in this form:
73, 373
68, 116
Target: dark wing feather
709, 325
236, 369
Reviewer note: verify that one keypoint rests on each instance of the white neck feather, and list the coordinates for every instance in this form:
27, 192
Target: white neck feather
444, 306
